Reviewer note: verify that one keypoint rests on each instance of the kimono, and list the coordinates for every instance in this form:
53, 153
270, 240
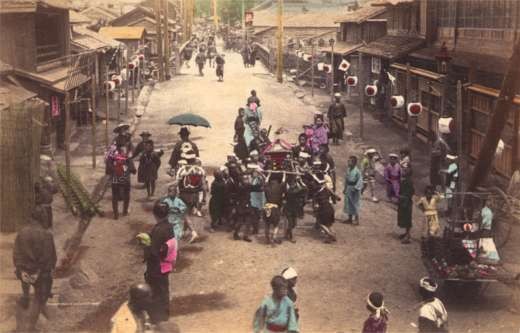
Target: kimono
275, 316
336, 115
217, 201
404, 210
320, 136
392, 178
257, 196
353, 187
375, 325
433, 317
431, 227
149, 163
176, 210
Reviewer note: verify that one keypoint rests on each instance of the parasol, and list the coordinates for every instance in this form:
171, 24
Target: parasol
189, 119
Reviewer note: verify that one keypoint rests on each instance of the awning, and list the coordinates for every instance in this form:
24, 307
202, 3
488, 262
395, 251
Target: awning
132, 33
419, 71
392, 47
12, 94
490, 92
56, 79
480, 61
341, 48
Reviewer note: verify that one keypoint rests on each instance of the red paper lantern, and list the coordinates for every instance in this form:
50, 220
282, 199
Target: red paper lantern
352, 81
371, 90
414, 109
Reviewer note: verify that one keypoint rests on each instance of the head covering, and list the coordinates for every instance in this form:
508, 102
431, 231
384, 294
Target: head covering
188, 155
376, 302
289, 273
316, 161
451, 157
121, 127
184, 131
337, 95
370, 151
144, 238
145, 133
303, 154
182, 162
253, 153
318, 115
392, 155
428, 284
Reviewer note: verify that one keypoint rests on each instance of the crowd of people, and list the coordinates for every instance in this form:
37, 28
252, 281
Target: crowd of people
206, 53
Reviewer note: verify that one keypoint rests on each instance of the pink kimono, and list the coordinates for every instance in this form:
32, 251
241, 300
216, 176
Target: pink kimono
392, 178
168, 263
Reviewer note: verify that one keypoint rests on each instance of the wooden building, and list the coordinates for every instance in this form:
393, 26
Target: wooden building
470, 41
35, 38
145, 17
99, 15
132, 37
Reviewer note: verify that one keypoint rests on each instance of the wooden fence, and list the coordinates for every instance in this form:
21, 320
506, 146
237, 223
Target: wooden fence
20, 136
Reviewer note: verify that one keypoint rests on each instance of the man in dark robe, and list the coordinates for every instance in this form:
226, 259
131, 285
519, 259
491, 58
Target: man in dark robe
34, 257
184, 145
158, 250
253, 98
336, 114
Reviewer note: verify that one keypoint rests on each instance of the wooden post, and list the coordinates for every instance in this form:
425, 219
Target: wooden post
279, 49
108, 107
497, 121
167, 51
312, 68
133, 85
411, 120
297, 66
160, 51
332, 72
361, 93
460, 152
215, 15
67, 133
92, 106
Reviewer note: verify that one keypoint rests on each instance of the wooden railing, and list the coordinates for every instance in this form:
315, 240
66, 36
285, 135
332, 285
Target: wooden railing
47, 52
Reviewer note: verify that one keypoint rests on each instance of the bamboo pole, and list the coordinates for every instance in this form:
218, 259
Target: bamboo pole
361, 95
160, 51
279, 50
67, 133
167, 51
497, 121
108, 108
460, 180
312, 68
92, 106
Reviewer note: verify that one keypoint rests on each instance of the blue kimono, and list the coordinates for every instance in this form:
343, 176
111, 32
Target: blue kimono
353, 186
176, 211
275, 316
257, 196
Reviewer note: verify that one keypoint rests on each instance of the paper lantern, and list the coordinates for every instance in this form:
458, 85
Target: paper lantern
371, 90
141, 57
352, 81
397, 101
500, 147
123, 74
117, 79
110, 85
446, 125
414, 109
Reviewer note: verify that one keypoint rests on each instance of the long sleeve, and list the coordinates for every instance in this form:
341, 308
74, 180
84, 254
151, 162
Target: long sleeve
259, 319
292, 324
359, 180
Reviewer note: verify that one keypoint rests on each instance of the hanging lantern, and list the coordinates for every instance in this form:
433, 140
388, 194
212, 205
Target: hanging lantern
397, 101
371, 90
446, 125
110, 85
117, 79
352, 81
500, 147
414, 109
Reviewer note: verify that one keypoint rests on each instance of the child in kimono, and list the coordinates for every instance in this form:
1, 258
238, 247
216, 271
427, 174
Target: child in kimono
276, 312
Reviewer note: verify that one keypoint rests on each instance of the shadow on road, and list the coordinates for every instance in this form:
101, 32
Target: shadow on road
184, 305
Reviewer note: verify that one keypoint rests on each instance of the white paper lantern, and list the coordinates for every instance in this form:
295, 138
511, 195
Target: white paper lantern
397, 101
371, 90
351, 81
414, 109
446, 125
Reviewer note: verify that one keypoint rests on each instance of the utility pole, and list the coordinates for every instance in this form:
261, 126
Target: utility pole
92, 106
67, 133
279, 54
361, 93
160, 54
407, 98
215, 15
108, 107
497, 120
167, 50
459, 115
332, 69
243, 19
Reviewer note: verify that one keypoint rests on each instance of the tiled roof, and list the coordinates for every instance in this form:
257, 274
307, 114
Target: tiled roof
303, 20
392, 47
78, 18
362, 14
